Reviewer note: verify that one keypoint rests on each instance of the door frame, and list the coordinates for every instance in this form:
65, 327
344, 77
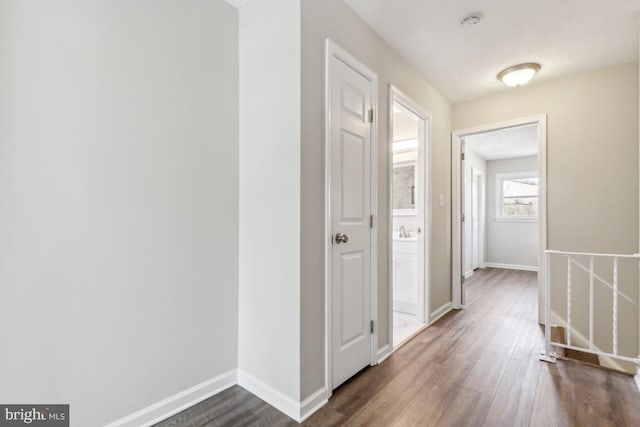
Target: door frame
477, 187
457, 206
424, 174
482, 216
332, 50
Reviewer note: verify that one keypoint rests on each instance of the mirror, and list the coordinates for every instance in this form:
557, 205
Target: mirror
404, 187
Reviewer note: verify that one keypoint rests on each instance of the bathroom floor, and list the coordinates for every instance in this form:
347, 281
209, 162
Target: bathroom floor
404, 325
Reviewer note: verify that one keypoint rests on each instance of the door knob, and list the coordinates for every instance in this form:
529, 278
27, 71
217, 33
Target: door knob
341, 238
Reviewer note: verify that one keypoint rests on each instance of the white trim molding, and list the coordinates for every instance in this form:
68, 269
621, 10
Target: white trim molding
172, 405
273, 397
298, 411
153, 414
384, 352
423, 211
314, 402
439, 312
511, 266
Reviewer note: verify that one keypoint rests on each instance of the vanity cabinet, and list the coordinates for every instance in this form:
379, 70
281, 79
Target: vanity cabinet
405, 275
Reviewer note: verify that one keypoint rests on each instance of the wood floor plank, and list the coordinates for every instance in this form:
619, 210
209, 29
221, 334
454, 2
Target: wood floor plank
390, 401
432, 400
327, 417
513, 401
235, 406
477, 366
555, 404
487, 373
466, 408
360, 389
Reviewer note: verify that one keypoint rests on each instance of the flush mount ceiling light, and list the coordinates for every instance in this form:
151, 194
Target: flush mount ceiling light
518, 75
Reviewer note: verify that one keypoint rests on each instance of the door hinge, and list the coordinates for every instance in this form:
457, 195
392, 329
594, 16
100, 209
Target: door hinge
462, 279
370, 116
461, 156
462, 218
372, 326
370, 221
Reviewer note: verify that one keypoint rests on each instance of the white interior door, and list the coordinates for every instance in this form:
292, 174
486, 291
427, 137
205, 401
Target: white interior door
475, 224
463, 235
422, 197
350, 201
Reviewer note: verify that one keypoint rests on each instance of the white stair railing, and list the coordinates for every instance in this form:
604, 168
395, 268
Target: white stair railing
547, 355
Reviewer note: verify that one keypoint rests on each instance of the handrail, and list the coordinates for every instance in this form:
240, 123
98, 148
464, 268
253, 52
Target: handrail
546, 354
552, 251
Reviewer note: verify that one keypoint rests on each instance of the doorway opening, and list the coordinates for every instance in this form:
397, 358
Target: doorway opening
409, 191
499, 200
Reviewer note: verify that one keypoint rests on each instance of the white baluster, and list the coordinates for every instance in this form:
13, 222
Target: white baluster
615, 305
546, 354
547, 306
568, 300
591, 303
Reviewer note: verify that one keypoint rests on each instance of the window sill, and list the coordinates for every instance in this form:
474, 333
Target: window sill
515, 219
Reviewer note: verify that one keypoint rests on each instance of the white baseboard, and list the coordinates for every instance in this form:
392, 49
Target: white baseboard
468, 274
311, 404
511, 266
441, 311
165, 408
384, 352
273, 397
294, 410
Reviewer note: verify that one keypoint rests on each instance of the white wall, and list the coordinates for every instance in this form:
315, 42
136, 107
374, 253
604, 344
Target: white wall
269, 341
472, 162
118, 201
592, 171
509, 242
332, 18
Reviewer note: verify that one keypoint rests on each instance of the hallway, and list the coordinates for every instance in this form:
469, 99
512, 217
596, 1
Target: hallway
478, 366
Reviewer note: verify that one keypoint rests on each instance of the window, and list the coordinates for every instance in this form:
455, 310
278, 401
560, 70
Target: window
517, 196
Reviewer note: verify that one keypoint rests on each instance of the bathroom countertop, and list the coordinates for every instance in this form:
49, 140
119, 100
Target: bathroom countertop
405, 239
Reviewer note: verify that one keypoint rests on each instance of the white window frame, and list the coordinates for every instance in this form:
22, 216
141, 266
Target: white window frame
498, 212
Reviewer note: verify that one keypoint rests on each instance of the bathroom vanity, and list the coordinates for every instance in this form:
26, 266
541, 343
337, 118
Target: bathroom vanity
405, 274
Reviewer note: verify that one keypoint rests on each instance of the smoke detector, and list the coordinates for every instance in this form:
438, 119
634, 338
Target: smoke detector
470, 23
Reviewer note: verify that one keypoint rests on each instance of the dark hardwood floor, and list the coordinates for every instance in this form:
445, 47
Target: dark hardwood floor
478, 366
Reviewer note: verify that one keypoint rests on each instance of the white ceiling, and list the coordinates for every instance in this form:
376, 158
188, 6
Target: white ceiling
564, 36
505, 143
